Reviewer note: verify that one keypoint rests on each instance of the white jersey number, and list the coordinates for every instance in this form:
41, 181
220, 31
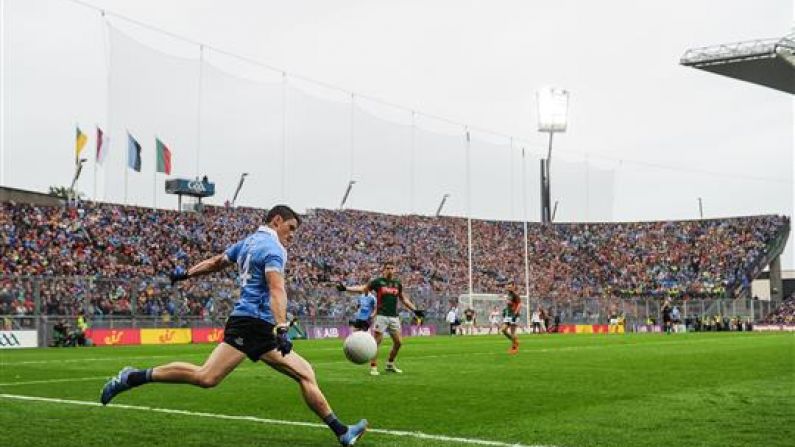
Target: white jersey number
244, 274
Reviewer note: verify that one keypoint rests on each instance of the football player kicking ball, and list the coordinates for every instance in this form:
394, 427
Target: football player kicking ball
257, 327
388, 290
510, 317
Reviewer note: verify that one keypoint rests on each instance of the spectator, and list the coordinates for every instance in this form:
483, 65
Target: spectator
105, 259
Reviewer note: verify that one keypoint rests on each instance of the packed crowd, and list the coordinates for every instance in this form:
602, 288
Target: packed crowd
109, 259
784, 314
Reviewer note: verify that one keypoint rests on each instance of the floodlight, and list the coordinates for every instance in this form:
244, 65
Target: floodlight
553, 107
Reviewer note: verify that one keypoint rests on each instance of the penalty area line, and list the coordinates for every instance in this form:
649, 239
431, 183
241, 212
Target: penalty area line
398, 433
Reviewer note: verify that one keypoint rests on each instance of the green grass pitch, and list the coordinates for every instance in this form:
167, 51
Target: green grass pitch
721, 389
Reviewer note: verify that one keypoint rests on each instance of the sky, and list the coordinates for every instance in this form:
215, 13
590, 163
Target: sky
654, 135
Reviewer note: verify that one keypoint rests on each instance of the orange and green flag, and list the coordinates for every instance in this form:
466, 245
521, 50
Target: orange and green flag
80, 142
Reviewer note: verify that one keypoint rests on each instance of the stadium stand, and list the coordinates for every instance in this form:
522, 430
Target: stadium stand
784, 314
110, 260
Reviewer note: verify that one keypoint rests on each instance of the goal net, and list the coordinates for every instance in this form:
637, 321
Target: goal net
487, 304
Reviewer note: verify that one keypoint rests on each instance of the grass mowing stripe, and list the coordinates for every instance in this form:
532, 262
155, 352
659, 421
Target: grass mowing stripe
399, 433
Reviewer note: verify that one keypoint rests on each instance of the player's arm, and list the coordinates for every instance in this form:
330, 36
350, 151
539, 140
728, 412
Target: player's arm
406, 301
278, 297
410, 305
209, 265
365, 288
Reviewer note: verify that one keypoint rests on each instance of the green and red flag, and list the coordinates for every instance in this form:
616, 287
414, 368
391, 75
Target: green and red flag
163, 157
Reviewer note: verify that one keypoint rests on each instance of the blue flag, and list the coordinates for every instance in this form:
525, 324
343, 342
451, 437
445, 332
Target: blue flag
133, 153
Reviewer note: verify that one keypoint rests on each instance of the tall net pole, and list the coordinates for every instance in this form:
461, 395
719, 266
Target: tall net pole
284, 137
526, 237
2, 93
413, 161
469, 212
199, 111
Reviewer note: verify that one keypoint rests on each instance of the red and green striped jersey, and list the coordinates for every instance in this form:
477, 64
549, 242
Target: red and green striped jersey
386, 295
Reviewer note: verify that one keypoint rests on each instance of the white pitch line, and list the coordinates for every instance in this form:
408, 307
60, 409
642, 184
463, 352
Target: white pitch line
398, 433
38, 382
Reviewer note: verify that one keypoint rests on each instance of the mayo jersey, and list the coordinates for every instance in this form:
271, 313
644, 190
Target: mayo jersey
387, 292
512, 306
256, 255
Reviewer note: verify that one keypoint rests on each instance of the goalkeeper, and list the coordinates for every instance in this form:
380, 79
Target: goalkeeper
510, 317
388, 290
257, 327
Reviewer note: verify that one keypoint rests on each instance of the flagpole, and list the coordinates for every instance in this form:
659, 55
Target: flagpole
96, 158
154, 184
95, 177
126, 167
2, 94
105, 36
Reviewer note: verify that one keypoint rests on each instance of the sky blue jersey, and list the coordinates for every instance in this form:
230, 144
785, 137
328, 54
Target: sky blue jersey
256, 255
366, 306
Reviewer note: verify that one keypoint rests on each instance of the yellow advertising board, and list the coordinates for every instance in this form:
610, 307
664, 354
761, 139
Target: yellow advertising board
616, 329
165, 336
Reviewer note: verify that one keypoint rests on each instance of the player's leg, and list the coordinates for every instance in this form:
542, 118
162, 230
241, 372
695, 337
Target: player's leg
397, 342
379, 337
218, 365
514, 340
297, 368
223, 360
381, 326
504, 329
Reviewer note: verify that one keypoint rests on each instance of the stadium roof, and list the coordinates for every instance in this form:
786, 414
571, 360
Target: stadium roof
768, 62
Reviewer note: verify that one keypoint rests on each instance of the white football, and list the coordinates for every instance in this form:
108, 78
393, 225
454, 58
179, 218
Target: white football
360, 347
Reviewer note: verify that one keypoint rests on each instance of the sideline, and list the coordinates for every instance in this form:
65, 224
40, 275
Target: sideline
399, 433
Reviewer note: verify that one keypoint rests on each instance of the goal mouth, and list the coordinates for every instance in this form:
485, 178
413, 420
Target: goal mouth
488, 307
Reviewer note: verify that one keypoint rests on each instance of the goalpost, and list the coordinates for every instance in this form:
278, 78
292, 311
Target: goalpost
484, 303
